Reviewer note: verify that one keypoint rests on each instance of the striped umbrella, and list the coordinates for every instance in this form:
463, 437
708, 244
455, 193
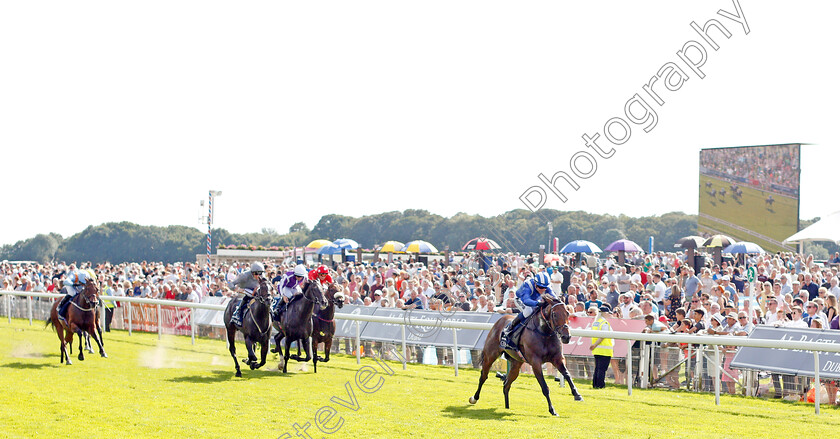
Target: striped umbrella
318, 243
481, 244
419, 247
718, 241
391, 247
346, 243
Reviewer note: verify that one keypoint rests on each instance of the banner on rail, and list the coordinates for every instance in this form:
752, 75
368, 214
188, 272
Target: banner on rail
579, 346
144, 317
790, 361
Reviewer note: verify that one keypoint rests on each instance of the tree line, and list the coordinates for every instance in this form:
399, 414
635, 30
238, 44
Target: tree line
517, 230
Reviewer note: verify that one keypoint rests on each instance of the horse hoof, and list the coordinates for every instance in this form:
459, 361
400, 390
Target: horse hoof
553, 413
472, 400
578, 398
104, 355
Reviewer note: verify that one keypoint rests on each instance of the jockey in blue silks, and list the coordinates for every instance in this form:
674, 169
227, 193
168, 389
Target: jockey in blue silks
73, 279
528, 300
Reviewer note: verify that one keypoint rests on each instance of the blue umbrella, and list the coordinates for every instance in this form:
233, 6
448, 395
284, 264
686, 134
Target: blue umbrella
580, 246
419, 247
744, 247
346, 243
331, 249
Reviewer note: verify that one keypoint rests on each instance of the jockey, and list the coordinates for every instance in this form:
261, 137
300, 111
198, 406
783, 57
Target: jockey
528, 300
290, 287
248, 281
72, 280
321, 275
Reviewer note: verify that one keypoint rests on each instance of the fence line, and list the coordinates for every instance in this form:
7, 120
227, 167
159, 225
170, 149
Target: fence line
705, 340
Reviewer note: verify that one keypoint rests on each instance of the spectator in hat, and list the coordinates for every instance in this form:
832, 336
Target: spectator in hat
602, 347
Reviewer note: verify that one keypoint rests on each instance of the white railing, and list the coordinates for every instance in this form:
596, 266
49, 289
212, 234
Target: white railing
708, 340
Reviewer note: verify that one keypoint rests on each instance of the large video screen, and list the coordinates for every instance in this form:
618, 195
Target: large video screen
750, 193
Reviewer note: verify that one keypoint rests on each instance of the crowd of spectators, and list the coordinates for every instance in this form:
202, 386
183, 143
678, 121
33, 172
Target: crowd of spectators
789, 290
762, 166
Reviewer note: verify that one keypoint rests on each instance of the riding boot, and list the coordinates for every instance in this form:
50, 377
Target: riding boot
62, 306
240, 310
281, 308
506, 343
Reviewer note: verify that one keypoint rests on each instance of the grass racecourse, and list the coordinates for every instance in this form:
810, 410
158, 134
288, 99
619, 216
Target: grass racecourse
169, 388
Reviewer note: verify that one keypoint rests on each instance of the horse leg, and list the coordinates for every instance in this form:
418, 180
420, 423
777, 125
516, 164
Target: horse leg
315, 358
252, 357
277, 338
327, 348
80, 333
88, 346
538, 374
231, 333
263, 351
486, 363
511, 377
99, 342
560, 364
307, 349
288, 343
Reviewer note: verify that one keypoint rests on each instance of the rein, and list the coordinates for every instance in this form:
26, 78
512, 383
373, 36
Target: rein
554, 329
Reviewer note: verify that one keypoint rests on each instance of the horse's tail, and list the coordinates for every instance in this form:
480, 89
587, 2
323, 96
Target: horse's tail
48, 322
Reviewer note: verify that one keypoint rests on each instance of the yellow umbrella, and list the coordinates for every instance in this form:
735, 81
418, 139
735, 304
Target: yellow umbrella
419, 247
391, 247
318, 243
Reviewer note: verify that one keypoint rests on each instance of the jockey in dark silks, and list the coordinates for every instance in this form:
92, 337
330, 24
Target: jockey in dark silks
73, 280
528, 300
248, 281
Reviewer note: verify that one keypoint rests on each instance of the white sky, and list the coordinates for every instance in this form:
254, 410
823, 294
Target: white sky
299, 109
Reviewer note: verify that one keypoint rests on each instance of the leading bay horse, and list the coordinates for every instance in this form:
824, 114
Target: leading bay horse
296, 323
256, 326
539, 344
81, 319
323, 324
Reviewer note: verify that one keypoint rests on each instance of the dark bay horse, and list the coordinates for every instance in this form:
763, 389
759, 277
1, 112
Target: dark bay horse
256, 326
539, 344
323, 324
296, 323
81, 319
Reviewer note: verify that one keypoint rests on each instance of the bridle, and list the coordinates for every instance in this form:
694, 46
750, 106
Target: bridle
91, 298
314, 300
555, 329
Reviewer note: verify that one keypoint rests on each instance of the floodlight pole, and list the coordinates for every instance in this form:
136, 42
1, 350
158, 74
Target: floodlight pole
210, 223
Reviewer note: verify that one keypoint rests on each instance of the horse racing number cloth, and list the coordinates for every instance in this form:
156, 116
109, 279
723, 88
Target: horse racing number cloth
789, 361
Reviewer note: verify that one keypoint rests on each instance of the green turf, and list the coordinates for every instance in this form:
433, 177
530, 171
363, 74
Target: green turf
778, 221
170, 388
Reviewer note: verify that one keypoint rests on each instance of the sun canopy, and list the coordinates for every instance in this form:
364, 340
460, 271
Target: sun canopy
826, 229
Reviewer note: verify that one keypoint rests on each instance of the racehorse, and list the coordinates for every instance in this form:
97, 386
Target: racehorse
256, 326
323, 324
539, 344
296, 323
81, 319
769, 201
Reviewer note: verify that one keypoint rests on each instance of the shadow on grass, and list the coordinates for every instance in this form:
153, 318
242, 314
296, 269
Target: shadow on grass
25, 366
461, 412
218, 376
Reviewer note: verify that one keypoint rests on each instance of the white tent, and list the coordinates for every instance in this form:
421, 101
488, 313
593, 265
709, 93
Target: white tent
826, 229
